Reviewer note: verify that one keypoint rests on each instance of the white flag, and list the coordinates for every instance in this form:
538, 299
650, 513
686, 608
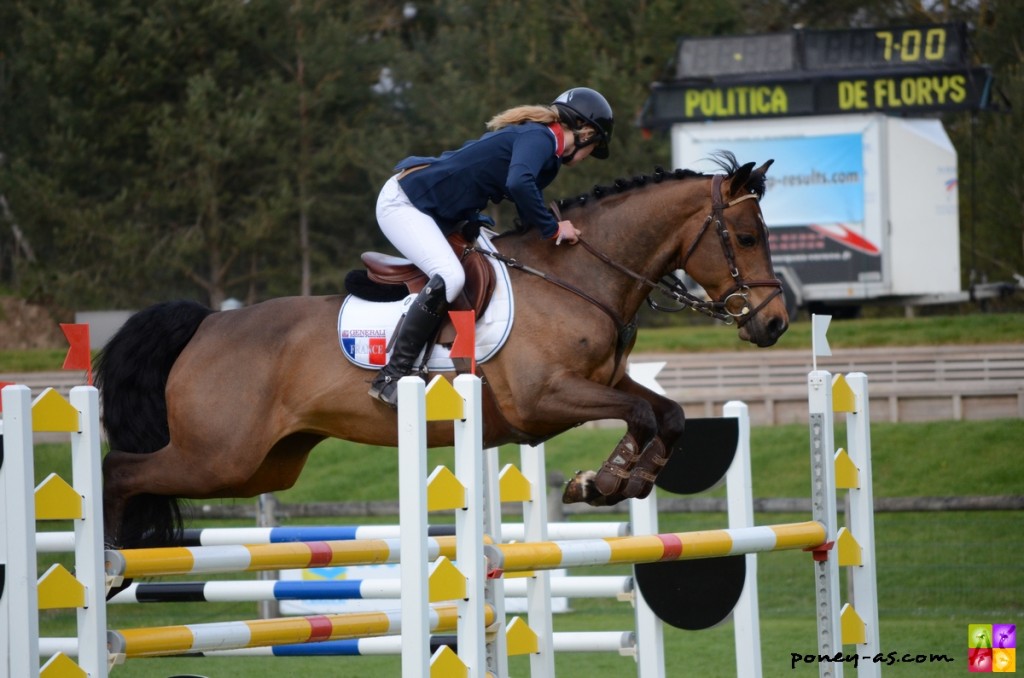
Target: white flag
819, 342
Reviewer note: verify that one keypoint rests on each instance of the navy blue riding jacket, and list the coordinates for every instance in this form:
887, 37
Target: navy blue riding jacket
515, 162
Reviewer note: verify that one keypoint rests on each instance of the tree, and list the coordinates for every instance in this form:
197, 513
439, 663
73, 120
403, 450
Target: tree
992, 152
161, 149
215, 148
334, 120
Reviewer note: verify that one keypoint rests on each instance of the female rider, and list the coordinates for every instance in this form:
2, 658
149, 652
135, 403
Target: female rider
428, 197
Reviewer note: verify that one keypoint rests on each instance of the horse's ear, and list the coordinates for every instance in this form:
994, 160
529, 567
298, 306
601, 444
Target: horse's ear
754, 179
763, 169
740, 177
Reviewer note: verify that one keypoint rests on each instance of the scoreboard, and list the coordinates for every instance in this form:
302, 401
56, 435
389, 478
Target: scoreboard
901, 70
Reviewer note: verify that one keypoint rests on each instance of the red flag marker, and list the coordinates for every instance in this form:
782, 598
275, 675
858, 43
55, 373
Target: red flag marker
464, 345
79, 357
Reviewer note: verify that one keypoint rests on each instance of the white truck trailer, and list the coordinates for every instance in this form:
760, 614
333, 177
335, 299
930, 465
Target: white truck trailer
862, 208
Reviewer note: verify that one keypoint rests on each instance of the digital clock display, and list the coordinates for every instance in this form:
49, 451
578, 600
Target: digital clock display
931, 45
734, 55
901, 70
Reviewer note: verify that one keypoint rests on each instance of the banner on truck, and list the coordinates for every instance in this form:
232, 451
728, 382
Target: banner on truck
814, 202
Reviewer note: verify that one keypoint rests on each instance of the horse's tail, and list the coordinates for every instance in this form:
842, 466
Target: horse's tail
132, 377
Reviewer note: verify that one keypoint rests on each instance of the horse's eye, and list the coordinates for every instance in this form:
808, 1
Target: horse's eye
746, 240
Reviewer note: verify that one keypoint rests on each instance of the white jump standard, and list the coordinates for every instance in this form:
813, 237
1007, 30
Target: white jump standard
467, 597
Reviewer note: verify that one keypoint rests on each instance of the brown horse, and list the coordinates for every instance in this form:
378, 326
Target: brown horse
200, 404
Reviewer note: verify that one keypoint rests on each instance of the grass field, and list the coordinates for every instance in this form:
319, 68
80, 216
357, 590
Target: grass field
937, 572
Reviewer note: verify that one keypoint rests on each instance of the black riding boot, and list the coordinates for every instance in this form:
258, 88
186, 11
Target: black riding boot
420, 323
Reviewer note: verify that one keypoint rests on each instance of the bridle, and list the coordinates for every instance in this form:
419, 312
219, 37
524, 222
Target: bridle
670, 285
673, 286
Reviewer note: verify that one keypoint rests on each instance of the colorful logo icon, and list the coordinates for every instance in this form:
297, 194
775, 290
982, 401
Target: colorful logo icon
992, 648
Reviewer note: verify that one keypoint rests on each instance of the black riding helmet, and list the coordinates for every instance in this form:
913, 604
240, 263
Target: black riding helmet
581, 106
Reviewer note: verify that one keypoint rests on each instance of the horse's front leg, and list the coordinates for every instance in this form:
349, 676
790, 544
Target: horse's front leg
654, 457
620, 477
570, 400
633, 466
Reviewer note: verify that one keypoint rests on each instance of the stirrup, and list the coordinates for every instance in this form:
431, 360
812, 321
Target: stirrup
384, 386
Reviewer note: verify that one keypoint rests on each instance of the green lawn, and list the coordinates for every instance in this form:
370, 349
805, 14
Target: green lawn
857, 333
937, 572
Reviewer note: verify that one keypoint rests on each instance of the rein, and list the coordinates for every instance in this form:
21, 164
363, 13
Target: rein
670, 285
624, 331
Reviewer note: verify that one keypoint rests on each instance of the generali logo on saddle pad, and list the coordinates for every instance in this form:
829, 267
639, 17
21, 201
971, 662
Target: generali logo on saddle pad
365, 346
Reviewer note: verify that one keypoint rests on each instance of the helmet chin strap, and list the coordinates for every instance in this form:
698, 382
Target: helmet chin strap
594, 138
578, 144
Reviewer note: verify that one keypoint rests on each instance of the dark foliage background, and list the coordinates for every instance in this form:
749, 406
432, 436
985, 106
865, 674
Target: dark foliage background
219, 148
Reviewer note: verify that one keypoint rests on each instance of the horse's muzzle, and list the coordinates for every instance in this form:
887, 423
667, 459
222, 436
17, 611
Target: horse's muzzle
764, 329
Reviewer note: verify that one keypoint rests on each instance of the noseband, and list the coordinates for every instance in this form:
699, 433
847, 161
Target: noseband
720, 308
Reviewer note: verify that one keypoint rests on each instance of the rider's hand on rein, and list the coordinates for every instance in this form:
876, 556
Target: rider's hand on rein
567, 232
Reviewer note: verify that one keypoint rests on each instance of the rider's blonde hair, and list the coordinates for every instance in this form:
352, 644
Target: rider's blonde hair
521, 114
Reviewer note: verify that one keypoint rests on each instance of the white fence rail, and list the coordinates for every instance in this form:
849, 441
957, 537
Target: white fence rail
907, 384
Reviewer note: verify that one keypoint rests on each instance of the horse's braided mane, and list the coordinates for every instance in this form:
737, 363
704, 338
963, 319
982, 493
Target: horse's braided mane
724, 159
623, 185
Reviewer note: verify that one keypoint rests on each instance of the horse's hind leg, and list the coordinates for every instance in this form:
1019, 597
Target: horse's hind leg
134, 496
140, 490
113, 500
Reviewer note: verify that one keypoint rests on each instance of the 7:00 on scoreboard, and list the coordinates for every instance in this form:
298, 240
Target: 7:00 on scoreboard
933, 45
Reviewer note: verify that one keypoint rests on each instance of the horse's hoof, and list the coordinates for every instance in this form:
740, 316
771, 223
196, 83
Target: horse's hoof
606, 500
583, 489
640, 484
580, 488
645, 491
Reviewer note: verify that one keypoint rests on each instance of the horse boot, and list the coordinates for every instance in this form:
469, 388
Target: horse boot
645, 473
421, 323
613, 476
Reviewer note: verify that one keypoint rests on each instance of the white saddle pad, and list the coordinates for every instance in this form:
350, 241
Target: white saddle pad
365, 327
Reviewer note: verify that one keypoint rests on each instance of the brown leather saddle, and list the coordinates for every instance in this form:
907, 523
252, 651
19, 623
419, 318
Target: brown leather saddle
476, 294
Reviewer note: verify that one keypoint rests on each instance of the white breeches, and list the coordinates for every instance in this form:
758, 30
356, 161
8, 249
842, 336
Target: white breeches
417, 236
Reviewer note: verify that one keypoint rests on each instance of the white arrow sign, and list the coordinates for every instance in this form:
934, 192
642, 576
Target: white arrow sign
645, 373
